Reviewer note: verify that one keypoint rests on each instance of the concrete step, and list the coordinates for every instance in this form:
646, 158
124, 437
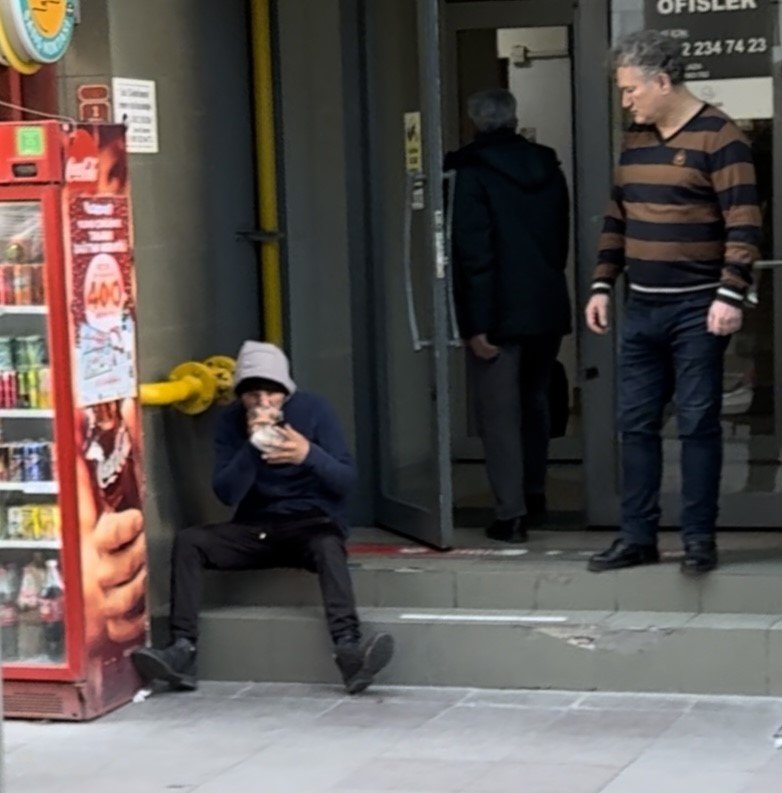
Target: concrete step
535, 580
576, 650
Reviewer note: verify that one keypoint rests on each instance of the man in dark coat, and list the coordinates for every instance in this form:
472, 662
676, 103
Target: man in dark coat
510, 246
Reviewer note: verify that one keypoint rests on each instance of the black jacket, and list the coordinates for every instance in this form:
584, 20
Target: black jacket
510, 238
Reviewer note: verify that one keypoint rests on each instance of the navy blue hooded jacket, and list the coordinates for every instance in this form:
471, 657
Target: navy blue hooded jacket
260, 491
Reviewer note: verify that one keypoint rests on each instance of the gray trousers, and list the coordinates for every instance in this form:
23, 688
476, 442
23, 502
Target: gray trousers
511, 403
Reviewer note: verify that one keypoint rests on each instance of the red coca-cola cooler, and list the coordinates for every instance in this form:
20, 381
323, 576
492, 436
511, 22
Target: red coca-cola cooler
73, 564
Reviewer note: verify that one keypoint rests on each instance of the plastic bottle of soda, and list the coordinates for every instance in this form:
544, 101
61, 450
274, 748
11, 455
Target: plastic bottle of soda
9, 615
52, 611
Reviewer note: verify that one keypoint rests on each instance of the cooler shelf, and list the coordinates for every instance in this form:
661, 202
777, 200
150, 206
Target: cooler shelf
31, 488
26, 413
33, 545
23, 310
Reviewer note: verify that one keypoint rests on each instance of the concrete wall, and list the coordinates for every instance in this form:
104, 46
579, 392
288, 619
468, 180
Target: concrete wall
320, 120
198, 287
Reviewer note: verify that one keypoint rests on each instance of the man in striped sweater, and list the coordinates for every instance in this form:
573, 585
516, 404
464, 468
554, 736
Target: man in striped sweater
683, 225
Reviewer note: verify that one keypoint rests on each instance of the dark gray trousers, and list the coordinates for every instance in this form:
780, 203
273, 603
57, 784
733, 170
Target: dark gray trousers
511, 403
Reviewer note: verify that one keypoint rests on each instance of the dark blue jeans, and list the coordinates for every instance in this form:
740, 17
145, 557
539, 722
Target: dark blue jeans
666, 353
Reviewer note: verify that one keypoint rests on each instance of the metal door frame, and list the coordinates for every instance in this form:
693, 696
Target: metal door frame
589, 21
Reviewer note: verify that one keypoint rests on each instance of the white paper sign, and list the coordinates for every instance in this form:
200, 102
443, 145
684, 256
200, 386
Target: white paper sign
135, 104
742, 98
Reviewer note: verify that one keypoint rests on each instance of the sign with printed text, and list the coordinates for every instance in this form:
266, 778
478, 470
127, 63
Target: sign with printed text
720, 39
94, 103
413, 146
101, 282
135, 104
104, 314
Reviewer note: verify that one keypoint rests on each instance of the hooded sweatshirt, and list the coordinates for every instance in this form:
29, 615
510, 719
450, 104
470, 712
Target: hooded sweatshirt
261, 492
510, 238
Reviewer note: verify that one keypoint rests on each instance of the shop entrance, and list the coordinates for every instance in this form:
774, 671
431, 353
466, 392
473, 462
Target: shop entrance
424, 59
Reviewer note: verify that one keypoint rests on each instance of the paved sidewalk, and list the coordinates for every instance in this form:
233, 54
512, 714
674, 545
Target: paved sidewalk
233, 738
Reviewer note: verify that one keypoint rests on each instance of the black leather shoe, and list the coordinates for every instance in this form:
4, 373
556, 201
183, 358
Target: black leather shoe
623, 554
512, 530
700, 556
537, 513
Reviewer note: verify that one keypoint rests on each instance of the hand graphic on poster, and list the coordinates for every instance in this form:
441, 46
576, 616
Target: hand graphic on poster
114, 552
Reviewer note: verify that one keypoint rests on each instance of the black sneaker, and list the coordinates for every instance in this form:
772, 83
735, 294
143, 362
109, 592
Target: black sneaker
623, 554
359, 662
700, 556
513, 530
176, 665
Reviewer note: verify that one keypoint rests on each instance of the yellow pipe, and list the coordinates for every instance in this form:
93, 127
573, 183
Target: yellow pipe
271, 281
169, 393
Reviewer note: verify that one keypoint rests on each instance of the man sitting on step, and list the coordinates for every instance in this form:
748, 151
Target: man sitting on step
282, 462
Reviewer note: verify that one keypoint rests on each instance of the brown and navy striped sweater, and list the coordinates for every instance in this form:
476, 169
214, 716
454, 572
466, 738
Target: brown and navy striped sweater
683, 216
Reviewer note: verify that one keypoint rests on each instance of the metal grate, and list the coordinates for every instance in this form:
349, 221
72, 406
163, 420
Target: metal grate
35, 703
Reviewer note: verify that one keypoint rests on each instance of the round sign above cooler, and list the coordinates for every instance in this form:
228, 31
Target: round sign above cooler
34, 32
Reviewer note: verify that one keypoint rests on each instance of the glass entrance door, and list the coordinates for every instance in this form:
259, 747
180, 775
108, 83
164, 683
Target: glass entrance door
410, 268
526, 48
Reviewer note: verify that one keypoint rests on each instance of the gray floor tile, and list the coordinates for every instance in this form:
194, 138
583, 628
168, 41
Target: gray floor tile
763, 783
607, 737
416, 774
652, 777
370, 713
610, 701
479, 733
540, 778
524, 699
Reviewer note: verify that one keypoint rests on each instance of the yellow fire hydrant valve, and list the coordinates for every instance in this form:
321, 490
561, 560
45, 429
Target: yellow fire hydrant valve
193, 387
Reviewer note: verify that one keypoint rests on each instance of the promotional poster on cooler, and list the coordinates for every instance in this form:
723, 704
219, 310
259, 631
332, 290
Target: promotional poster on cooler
73, 561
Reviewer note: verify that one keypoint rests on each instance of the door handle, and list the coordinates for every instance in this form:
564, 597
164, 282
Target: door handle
407, 265
454, 340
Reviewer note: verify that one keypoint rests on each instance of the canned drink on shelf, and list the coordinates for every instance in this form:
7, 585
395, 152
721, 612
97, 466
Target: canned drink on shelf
15, 462
31, 529
45, 387
7, 284
4, 463
23, 285
9, 390
33, 393
36, 466
49, 521
22, 390
6, 296
30, 352
27, 395
38, 289
52, 451
7, 348
15, 523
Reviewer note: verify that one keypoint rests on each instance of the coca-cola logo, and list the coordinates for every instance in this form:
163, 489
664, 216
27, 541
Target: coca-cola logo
82, 163
81, 171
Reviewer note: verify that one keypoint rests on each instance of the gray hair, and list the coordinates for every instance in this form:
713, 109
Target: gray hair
652, 53
492, 110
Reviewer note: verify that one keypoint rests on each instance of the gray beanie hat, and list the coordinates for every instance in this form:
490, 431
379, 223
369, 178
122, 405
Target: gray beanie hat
260, 360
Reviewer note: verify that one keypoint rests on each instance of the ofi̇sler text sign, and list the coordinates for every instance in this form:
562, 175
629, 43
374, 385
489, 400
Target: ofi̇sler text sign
721, 39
